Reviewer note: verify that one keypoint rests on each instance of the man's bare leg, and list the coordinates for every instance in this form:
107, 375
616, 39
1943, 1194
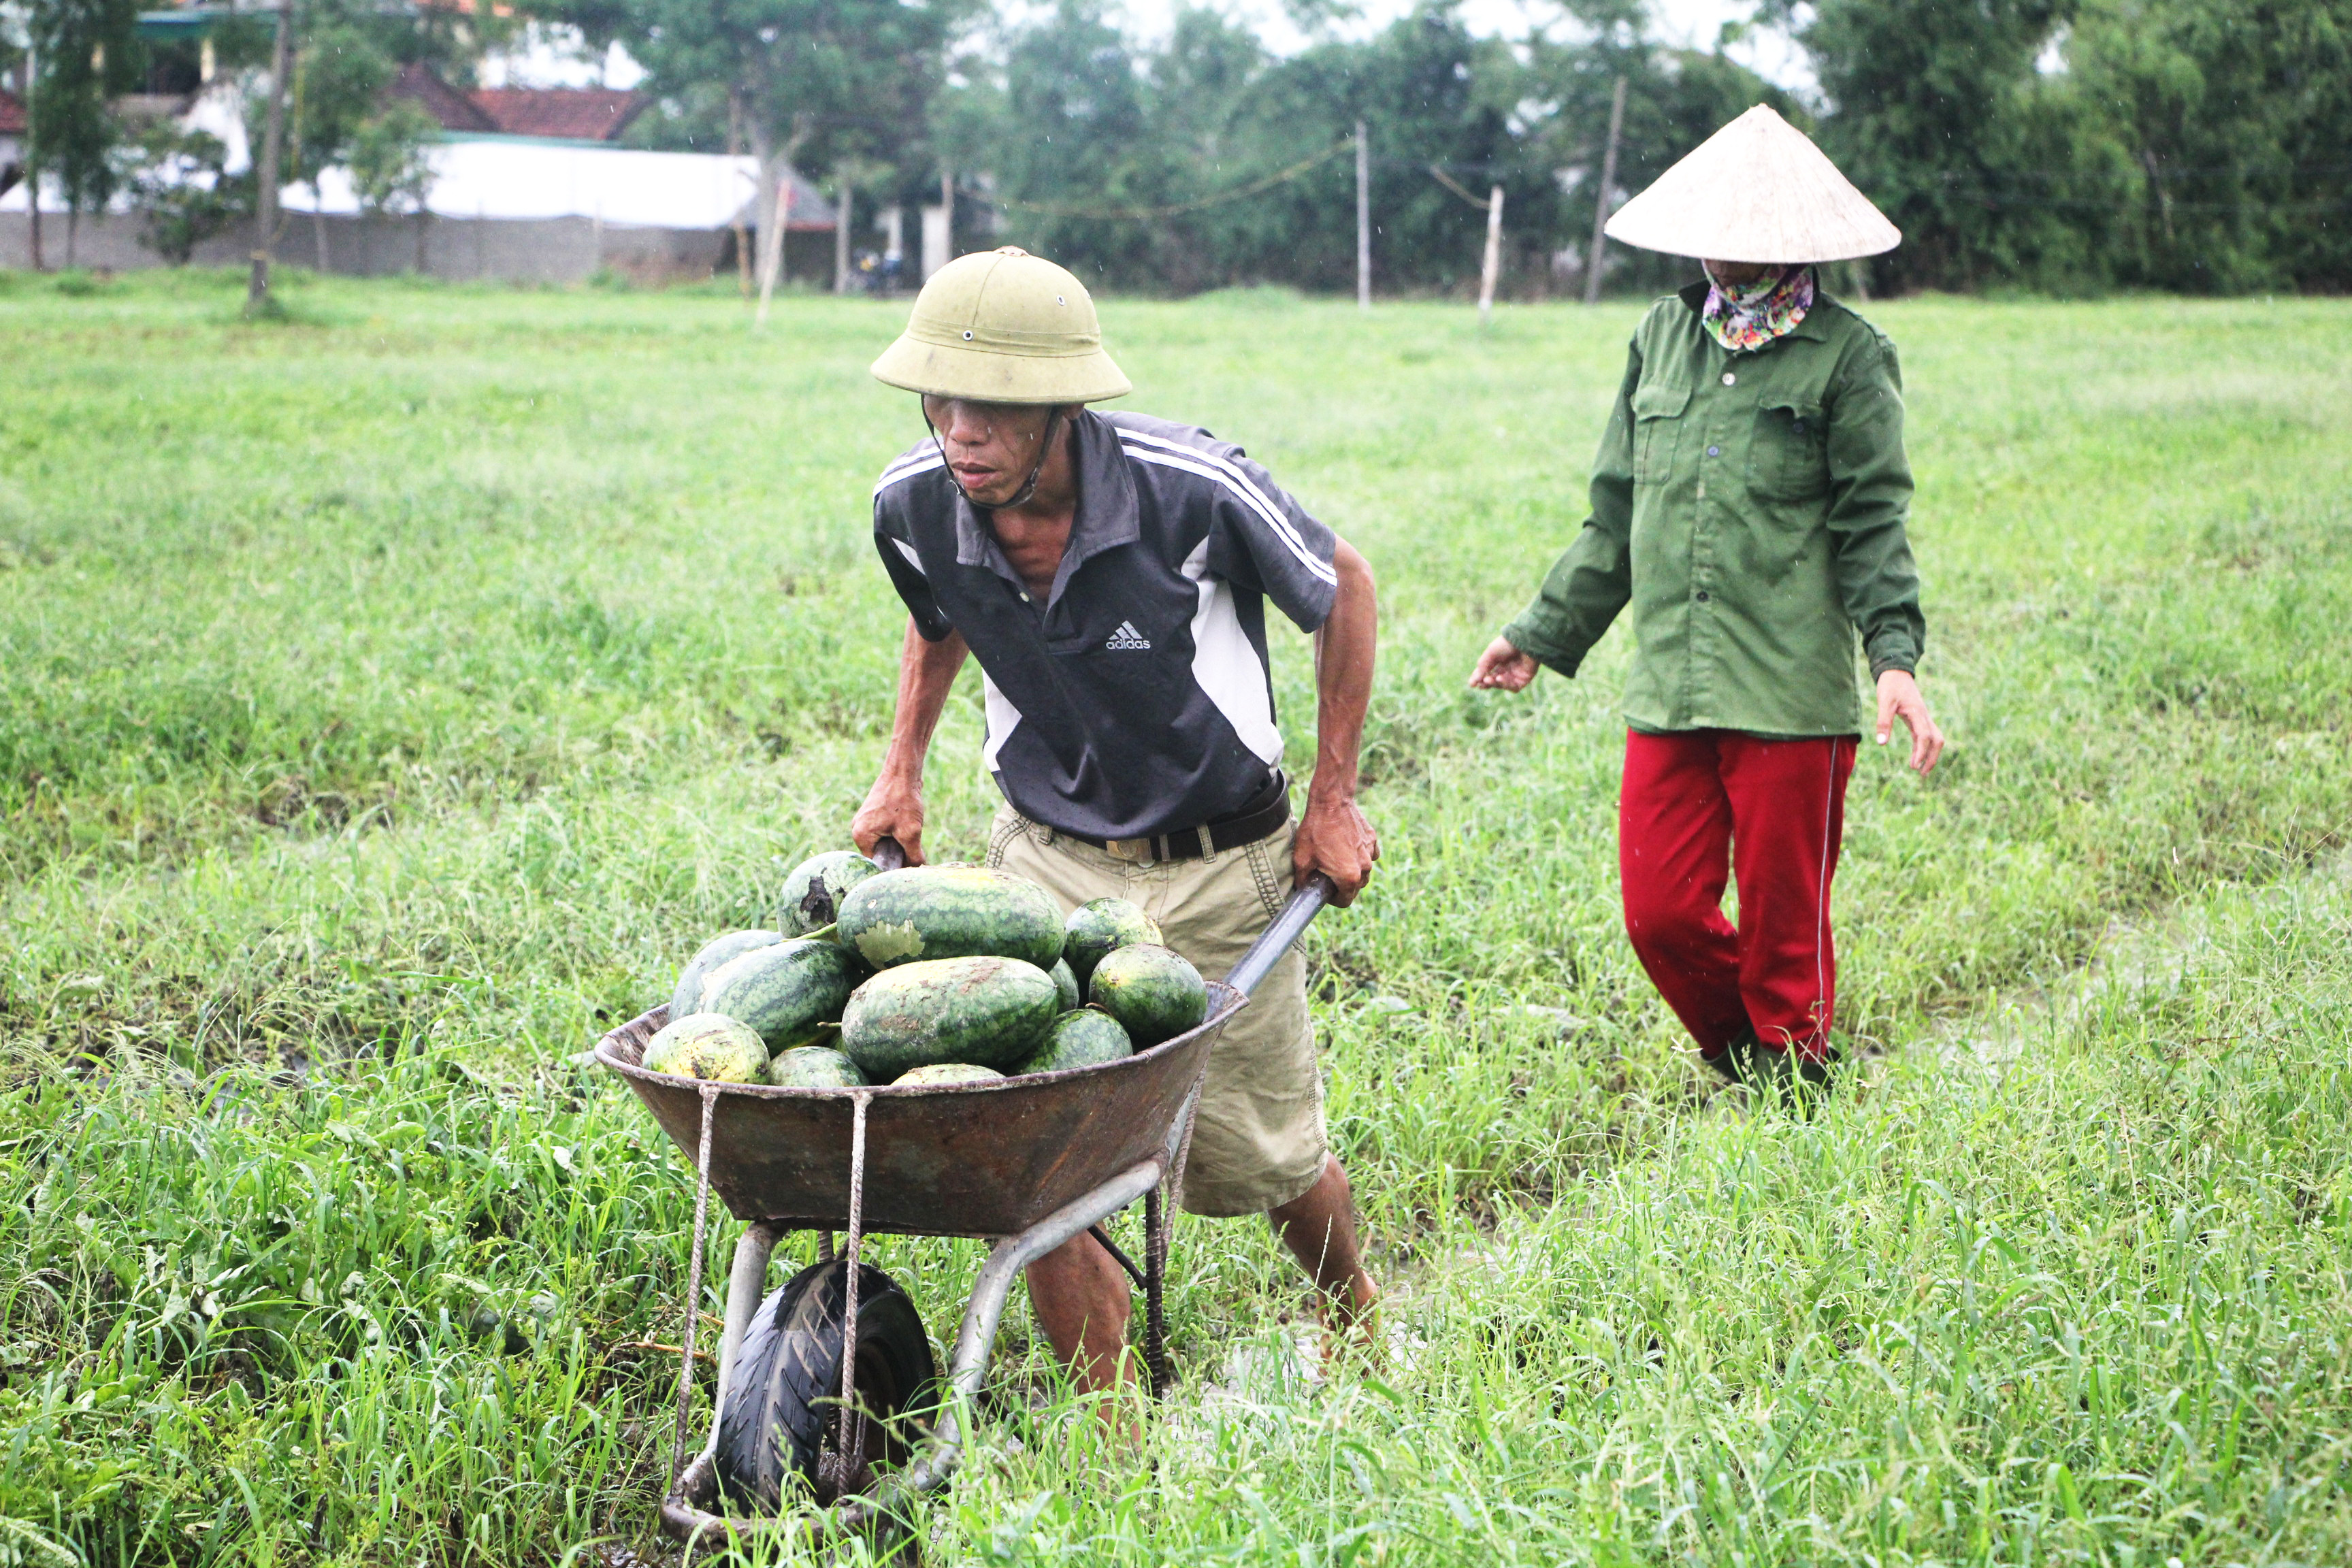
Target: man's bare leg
1319, 1228
1080, 1298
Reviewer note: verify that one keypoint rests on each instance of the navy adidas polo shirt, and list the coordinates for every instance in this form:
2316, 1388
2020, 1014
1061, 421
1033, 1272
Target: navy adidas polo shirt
1137, 701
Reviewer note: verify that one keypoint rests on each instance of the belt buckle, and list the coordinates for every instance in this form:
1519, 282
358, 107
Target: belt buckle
1136, 851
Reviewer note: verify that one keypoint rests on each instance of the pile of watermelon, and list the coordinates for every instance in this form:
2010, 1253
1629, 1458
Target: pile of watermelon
929, 974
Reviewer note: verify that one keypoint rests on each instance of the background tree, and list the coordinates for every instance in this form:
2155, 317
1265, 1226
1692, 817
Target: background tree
1935, 111
810, 79
1674, 98
1085, 130
179, 184
2215, 141
85, 52
391, 165
346, 62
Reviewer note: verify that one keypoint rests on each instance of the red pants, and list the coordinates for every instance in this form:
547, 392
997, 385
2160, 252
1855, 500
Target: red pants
1702, 803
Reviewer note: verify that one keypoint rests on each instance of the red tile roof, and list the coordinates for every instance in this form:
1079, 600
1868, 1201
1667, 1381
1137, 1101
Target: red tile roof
11, 115
451, 108
576, 113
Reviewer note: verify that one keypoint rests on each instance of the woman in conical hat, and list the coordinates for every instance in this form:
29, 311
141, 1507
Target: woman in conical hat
1749, 503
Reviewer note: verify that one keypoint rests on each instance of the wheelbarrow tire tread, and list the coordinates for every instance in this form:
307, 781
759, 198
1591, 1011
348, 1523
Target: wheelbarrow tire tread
784, 1394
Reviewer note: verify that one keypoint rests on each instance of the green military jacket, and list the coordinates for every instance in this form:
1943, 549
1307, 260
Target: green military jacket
1751, 507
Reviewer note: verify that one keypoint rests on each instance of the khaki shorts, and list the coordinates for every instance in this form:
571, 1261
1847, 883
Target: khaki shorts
1258, 1137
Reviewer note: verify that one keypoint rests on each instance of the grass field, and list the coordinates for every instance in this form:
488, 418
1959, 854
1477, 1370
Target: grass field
391, 699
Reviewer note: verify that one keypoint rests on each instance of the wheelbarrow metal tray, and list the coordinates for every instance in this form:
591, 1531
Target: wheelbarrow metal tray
978, 1159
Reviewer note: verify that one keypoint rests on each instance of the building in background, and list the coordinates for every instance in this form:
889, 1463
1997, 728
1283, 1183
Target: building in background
543, 209
12, 140
563, 113
527, 186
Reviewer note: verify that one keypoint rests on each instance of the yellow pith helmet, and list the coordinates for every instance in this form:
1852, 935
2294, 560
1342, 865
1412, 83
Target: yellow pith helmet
1003, 326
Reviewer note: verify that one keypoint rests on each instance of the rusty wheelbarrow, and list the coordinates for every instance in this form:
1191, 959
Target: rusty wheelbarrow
1028, 1164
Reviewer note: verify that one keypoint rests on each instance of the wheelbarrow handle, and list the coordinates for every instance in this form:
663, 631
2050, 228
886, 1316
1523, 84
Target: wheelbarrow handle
1304, 903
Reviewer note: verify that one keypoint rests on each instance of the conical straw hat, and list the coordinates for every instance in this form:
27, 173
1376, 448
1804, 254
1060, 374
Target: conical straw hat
1757, 190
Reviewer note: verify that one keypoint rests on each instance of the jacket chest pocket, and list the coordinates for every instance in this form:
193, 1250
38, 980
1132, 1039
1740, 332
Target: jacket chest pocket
1658, 422
1789, 456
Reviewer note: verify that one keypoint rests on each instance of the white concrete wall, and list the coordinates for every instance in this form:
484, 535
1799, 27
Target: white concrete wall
936, 236
553, 251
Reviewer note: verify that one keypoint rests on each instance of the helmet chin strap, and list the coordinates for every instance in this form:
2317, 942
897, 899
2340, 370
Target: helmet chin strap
1029, 487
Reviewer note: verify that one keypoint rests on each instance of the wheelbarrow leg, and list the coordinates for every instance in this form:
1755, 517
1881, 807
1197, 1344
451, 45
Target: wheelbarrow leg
746, 1285
943, 1453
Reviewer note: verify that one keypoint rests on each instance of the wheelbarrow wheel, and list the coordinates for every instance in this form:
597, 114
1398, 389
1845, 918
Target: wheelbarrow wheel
783, 1401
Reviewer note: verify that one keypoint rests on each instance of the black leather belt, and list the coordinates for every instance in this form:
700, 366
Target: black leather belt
1245, 826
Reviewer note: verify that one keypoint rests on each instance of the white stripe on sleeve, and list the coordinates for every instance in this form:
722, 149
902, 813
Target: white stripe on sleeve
1210, 466
908, 468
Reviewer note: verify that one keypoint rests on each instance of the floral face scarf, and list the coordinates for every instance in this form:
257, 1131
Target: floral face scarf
1749, 315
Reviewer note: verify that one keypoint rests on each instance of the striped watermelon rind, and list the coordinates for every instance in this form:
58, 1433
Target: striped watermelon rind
1086, 1038
922, 913
814, 1067
688, 996
813, 889
1151, 990
989, 1011
708, 1045
786, 992
1101, 926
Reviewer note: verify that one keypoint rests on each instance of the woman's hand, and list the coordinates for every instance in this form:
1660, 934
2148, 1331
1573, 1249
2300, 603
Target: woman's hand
1503, 667
1899, 697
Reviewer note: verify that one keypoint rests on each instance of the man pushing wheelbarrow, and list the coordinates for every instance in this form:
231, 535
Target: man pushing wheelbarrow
1110, 572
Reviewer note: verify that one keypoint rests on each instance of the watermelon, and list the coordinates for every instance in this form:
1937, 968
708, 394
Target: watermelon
1151, 990
783, 992
707, 1046
924, 912
1099, 926
938, 1073
992, 1011
814, 889
1085, 1038
687, 997
1067, 983
814, 1067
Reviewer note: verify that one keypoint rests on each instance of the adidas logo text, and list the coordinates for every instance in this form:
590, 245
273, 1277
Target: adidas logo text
1127, 636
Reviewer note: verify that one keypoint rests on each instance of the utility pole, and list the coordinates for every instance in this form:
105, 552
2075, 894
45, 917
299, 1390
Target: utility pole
273, 142
735, 150
845, 197
1494, 262
1601, 196
31, 137
1363, 219
32, 147
947, 216
772, 256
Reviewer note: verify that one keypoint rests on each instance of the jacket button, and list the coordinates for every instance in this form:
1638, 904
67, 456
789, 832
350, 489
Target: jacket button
1715, 451
1728, 378
1702, 595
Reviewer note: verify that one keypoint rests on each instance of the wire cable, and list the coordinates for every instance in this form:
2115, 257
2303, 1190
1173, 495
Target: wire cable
1057, 209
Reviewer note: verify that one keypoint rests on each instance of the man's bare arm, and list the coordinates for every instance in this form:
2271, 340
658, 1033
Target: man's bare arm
894, 807
1333, 837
